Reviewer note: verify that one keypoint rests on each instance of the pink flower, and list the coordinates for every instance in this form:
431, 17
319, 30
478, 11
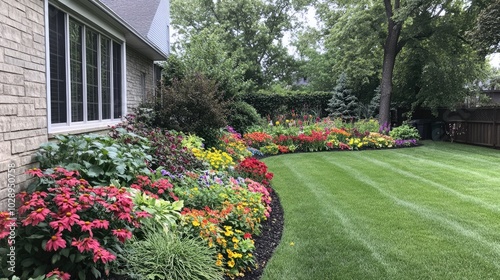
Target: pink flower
125, 216
103, 255
59, 226
36, 217
62, 275
100, 224
143, 214
55, 242
86, 226
35, 172
87, 244
122, 234
69, 219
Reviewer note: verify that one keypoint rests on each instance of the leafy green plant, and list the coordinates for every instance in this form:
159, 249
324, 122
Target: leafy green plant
98, 158
404, 132
243, 115
163, 212
165, 255
167, 148
370, 125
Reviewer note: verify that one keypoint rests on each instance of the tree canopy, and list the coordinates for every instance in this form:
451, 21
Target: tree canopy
249, 31
486, 32
416, 51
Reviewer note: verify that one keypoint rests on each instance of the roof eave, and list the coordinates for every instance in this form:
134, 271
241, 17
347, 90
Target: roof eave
134, 39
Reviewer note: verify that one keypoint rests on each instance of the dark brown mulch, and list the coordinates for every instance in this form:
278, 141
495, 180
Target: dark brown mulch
266, 243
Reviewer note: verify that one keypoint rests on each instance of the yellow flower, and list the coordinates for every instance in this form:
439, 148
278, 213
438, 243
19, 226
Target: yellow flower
277, 123
218, 263
196, 223
292, 244
230, 263
235, 239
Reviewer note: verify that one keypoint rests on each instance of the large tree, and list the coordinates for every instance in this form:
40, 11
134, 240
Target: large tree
414, 48
250, 30
486, 33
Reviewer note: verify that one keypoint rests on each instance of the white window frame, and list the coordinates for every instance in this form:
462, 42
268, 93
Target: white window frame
84, 125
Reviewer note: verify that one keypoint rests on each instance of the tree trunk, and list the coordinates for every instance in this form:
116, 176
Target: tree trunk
390, 52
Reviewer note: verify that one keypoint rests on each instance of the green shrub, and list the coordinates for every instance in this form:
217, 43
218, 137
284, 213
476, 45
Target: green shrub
271, 104
193, 104
99, 158
164, 255
243, 115
404, 132
370, 125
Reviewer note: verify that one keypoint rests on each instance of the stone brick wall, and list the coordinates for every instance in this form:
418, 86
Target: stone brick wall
138, 64
23, 107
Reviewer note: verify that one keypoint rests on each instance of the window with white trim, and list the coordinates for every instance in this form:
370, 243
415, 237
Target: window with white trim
85, 73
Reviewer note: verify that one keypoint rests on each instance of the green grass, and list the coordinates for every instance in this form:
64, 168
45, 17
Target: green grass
430, 212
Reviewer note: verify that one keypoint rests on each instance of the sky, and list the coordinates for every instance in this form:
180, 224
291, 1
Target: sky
495, 60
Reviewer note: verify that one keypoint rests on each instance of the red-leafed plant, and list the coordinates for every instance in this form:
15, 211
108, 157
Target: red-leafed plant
65, 223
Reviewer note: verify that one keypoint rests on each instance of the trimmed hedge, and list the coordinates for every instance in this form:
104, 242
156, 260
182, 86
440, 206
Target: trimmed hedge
271, 104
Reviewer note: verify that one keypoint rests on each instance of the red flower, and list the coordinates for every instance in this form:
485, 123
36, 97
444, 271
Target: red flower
55, 242
247, 236
122, 234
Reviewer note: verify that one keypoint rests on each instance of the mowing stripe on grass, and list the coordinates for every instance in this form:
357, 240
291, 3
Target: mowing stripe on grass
326, 198
420, 210
388, 214
428, 182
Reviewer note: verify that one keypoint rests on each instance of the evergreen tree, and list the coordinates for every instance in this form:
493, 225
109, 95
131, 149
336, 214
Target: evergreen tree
343, 103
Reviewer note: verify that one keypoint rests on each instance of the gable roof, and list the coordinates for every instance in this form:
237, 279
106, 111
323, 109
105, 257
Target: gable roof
137, 19
139, 14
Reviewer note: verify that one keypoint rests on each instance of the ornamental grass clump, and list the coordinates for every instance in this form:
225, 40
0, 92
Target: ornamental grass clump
166, 255
65, 223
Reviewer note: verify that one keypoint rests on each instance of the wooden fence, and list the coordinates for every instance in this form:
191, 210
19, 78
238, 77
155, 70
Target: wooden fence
478, 126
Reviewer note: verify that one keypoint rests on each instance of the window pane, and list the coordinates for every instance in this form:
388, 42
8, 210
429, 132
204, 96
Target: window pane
106, 77
75, 53
117, 80
92, 77
57, 66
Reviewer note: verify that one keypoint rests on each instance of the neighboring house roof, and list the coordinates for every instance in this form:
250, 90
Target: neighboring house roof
145, 22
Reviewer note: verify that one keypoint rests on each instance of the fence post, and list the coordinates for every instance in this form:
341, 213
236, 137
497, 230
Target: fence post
494, 134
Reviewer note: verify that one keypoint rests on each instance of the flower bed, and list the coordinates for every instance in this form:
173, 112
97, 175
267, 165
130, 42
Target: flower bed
307, 134
216, 198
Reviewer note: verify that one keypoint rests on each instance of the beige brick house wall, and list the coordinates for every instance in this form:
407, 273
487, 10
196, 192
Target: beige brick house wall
138, 65
23, 105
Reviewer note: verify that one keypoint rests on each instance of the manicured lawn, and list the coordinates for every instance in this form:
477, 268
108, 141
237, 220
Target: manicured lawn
431, 212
